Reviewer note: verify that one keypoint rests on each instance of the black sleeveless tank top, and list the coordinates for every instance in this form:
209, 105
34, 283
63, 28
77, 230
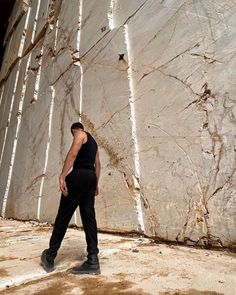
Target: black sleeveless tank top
85, 158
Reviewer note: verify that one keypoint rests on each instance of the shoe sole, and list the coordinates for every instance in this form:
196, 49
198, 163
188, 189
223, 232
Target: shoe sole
46, 268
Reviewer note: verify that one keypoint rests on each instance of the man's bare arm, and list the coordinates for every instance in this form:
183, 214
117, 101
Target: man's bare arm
78, 140
97, 170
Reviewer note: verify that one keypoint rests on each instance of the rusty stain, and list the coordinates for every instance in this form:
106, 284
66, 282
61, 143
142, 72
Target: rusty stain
191, 292
34, 181
3, 272
94, 286
4, 258
63, 283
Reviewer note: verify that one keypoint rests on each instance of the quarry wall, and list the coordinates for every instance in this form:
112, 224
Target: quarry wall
154, 83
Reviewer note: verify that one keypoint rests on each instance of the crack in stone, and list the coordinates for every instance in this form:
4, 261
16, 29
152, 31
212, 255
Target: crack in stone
168, 62
159, 31
111, 117
136, 11
34, 181
30, 48
182, 231
206, 58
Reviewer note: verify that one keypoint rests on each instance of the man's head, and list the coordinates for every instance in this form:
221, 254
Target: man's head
76, 126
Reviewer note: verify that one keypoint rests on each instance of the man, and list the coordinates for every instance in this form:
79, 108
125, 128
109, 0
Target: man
78, 188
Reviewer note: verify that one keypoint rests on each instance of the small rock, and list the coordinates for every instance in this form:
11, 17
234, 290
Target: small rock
135, 250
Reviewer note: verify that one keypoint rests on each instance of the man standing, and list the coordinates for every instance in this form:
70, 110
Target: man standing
78, 188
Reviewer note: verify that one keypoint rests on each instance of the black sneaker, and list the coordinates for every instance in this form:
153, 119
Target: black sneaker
47, 264
90, 267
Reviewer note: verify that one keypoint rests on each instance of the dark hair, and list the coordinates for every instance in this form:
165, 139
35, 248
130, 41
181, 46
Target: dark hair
76, 125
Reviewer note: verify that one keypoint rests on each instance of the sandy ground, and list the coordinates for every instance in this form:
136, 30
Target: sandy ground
129, 266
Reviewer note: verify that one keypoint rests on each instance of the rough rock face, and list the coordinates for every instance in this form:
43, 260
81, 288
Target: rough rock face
154, 82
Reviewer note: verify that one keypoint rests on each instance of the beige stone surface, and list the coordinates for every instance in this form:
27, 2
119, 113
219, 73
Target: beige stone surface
154, 83
15, 48
129, 265
19, 9
65, 110
94, 23
11, 124
186, 117
105, 106
28, 170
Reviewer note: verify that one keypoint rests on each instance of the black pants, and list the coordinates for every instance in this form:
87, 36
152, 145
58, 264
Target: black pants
81, 185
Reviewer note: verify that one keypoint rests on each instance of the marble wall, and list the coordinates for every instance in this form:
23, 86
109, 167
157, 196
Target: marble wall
154, 83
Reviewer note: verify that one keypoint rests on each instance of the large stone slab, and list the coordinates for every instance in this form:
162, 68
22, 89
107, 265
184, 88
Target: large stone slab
19, 9
94, 25
30, 32
65, 112
154, 83
11, 133
68, 27
7, 100
28, 172
106, 114
177, 93
15, 47
42, 18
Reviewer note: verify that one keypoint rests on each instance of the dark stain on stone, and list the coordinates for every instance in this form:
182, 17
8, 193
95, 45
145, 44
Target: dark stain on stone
43, 229
103, 29
56, 288
57, 284
64, 283
94, 286
121, 56
115, 160
4, 258
3, 272
191, 292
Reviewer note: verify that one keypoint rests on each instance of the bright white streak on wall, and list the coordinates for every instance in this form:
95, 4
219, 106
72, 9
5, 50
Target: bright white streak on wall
35, 21
81, 72
79, 63
80, 25
19, 116
81, 91
136, 177
22, 41
47, 151
110, 15
2, 90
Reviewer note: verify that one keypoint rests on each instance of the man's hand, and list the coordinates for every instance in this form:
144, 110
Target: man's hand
63, 186
97, 191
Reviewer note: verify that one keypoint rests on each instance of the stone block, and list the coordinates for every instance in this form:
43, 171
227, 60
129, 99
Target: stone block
19, 9
65, 112
42, 19
94, 25
30, 32
14, 49
29, 166
108, 120
177, 91
68, 27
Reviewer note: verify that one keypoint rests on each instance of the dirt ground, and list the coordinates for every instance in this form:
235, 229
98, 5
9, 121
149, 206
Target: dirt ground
129, 265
